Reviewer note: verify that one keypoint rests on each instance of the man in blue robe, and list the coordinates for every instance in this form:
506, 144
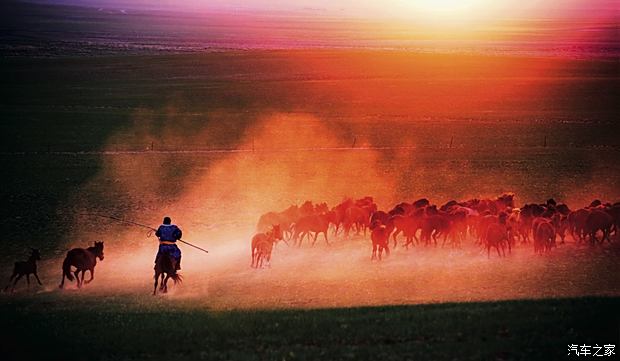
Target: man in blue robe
168, 235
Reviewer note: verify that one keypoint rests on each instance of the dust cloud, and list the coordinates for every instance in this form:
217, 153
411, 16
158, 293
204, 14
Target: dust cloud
282, 159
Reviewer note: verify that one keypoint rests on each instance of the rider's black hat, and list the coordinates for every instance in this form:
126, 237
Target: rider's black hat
167, 220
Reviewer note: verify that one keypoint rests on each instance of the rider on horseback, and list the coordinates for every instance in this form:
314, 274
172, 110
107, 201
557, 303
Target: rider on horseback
168, 234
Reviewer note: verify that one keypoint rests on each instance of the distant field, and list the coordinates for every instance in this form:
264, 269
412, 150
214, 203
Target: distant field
497, 114
44, 30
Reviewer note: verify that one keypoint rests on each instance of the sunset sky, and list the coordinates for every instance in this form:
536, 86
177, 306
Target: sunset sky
448, 10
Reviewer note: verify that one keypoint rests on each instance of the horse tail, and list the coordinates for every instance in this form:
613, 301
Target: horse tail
176, 278
66, 269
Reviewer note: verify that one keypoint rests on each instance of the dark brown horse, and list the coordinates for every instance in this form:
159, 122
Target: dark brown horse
597, 220
544, 235
165, 267
25, 268
83, 260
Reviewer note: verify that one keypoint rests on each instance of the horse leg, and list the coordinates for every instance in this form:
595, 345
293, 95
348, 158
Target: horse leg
10, 281
301, 236
15, 282
408, 240
161, 283
166, 283
38, 280
155, 285
316, 235
77, 278
28, 279
374, 252
83, 273
394, 236
92, 275
255, 260
326, 241
606, 233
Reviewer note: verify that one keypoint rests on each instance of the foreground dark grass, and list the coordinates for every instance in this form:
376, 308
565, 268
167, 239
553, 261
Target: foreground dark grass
129, 327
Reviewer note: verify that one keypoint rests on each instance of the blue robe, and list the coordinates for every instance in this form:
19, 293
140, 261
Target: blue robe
169, 233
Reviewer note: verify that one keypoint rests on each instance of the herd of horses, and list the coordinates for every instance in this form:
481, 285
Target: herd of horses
494, 224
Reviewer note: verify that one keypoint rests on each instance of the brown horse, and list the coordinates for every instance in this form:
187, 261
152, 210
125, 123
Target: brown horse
433, 226
496, 235
262, 245
357, 217
165, 267
380, 236
263, 254
408, 225
544, 235
284, 219
83, 260
318, 223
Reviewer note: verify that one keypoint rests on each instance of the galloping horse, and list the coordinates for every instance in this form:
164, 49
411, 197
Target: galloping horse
25, 268
262, 245
83, 260
165, 265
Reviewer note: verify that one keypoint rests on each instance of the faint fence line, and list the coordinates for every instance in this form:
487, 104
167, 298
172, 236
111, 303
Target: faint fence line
154, 148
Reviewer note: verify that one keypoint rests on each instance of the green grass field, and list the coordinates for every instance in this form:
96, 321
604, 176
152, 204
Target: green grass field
130, 327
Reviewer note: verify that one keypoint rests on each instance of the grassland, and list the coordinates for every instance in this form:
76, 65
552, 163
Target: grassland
137, 328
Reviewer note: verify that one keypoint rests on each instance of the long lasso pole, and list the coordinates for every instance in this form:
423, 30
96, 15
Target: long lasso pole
140, 225
189, 244
119, 219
